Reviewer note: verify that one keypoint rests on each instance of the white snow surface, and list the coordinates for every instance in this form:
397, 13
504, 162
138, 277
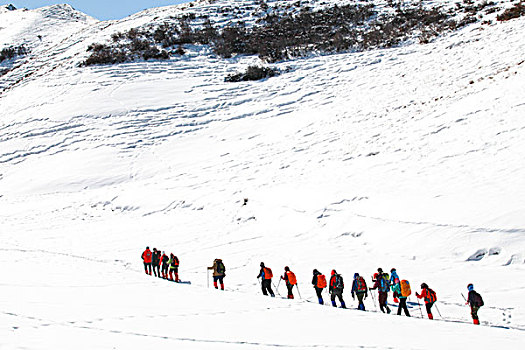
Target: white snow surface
412, 157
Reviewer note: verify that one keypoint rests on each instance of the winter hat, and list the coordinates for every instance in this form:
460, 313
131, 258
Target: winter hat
147, 247
393, 270
470, 287
262, 264
356, 275
424, 285
316, 272
286, 268
380, 270
333, 272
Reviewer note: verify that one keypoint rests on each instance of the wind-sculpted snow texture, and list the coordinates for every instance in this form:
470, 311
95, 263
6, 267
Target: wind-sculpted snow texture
411, 157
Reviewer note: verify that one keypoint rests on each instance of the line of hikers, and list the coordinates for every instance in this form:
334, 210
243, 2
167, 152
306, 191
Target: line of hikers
162, 265
382, 282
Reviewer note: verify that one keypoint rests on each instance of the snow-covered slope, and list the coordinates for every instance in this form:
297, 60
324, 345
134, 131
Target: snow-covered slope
410, 157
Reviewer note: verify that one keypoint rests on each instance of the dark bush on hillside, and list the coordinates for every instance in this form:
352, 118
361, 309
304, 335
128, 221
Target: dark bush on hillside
104, 54
12, 52
516, 11
137, 45
284, 33
180, 51
252, 73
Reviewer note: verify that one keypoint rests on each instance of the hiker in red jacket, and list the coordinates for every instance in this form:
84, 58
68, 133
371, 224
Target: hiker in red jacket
289, 278
147, 256
430, 298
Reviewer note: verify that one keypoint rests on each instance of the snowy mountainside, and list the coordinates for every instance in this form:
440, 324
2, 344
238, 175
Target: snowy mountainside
22, 26
42, 32
410, 157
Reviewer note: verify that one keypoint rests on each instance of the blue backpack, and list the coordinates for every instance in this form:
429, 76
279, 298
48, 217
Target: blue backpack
384, 283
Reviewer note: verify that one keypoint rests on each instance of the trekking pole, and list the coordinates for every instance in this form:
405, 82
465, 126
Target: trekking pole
438, 311
277, 290
374, 299
418, 304
298, 291
279, 283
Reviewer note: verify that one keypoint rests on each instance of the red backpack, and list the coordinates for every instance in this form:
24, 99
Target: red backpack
361, 284
268, 273
291, 278
321, 281
431, 296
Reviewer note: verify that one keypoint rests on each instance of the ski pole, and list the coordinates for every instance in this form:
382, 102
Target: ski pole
298, 291
279, 283
374, 299
277, 290
418, 304
208, 277
438, 311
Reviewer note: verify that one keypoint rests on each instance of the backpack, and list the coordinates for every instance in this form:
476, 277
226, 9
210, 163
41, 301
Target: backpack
220, 267
405, 288
267, 273
384, 283
431, 296
291, 278
477, 300
338, 281
321, 281
361, 284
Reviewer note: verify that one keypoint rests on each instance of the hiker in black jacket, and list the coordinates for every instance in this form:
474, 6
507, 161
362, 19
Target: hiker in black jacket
475, 301
319, 283
336, 289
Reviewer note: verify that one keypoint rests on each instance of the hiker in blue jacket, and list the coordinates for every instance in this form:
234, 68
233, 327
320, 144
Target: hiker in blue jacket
394, 278
266, 280
359, 289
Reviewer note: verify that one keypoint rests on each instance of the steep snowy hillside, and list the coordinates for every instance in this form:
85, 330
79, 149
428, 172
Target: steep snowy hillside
410, 157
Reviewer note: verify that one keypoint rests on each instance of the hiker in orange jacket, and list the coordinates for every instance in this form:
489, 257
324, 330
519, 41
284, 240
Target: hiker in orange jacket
146, 257
430, 298
289, 278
